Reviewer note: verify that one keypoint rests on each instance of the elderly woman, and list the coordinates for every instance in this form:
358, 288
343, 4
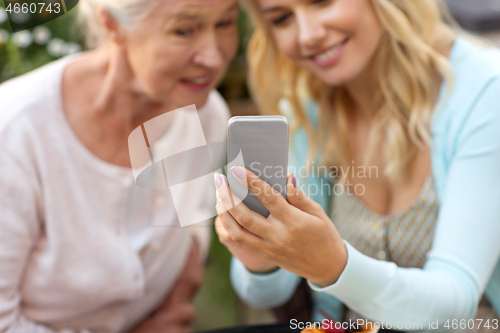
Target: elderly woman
392, 88
76, 250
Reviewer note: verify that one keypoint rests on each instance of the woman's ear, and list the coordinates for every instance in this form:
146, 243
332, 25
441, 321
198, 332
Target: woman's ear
111, 26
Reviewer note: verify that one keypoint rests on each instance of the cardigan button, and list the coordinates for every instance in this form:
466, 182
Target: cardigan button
161, 201
381, 255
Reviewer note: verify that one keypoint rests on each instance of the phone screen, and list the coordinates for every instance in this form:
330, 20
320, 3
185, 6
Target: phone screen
263, 144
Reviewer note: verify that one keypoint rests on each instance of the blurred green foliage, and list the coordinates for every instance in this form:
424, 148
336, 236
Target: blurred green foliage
21, 55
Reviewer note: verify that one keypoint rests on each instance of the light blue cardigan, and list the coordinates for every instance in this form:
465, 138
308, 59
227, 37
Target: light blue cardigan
463, 261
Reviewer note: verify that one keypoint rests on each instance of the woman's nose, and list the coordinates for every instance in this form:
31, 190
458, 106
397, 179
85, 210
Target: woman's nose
210, 54
311, 32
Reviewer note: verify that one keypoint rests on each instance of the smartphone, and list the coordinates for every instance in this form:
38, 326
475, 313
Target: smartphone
262, 143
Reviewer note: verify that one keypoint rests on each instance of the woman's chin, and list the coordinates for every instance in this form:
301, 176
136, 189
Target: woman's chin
335, 80
179, 100
334, 77
199, 101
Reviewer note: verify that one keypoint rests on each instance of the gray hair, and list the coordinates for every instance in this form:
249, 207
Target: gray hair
127, 13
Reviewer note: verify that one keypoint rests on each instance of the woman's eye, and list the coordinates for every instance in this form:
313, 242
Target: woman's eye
320, 2
225, 24
184, 32
280, 20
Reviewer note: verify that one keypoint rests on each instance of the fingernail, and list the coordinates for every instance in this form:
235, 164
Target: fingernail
218, 180
238, 173
294, 181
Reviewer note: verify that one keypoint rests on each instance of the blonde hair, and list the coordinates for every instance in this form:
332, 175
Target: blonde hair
406, 66
126, 12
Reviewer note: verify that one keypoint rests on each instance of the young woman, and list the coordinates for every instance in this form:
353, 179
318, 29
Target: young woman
407, 114
77, 250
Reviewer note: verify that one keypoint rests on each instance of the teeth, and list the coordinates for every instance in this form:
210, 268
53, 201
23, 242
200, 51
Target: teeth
328, 54
200, 81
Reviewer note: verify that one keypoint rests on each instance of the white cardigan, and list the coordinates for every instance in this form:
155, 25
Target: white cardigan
66, 262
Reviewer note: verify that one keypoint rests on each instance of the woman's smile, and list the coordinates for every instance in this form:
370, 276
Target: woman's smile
331, 55
198, 83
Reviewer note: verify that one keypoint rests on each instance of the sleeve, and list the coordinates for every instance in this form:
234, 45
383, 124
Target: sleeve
20, 227
263, 291
465, 249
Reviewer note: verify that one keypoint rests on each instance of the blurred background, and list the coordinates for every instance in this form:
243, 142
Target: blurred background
217, 305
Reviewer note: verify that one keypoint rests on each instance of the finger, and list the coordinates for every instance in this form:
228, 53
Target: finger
236, 232
267, 195
223, 193
298, 199
221, 231
248, 219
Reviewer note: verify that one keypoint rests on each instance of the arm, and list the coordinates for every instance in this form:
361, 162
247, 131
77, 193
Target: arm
176, 313
262, 291
465, 249
20, 228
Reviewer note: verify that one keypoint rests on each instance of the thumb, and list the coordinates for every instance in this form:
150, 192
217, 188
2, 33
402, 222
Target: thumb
297, 198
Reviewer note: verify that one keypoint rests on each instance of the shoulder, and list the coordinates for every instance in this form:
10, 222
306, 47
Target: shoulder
467, 55
475, 90
475, 69
30, 95
27, 105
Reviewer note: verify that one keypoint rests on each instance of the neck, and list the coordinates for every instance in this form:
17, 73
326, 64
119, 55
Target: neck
116, 91
362, 91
